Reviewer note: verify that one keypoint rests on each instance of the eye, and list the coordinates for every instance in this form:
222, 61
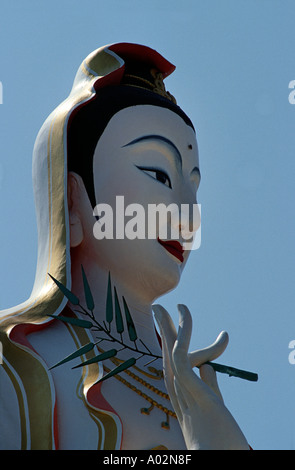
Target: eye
158, 175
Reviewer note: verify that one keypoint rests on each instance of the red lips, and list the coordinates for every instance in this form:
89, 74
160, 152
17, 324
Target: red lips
173, 247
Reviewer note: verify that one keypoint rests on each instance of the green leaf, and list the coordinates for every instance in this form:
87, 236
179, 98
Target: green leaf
87, 291
130, 324
83, 350
73, 321
109, 304
100, 357
130, 362
118, 314
70, 296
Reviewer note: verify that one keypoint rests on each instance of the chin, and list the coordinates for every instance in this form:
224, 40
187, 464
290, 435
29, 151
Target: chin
161, 277
142, 267
166, 283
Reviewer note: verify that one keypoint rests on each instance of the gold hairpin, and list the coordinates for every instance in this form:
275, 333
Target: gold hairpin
157, 86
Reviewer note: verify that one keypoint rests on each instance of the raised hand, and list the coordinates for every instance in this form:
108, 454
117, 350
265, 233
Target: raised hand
205, 421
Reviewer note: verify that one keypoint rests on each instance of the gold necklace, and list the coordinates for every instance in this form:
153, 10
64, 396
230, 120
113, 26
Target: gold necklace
153, 403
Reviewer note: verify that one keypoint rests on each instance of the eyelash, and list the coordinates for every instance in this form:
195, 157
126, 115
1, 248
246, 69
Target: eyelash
160, 175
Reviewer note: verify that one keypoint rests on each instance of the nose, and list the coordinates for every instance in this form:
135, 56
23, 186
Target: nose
190, 220
186, 221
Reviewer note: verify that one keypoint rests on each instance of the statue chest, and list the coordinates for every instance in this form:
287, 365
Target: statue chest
131, 410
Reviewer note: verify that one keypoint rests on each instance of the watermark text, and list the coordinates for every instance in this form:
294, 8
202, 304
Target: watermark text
134, 221
292, 93
292, 353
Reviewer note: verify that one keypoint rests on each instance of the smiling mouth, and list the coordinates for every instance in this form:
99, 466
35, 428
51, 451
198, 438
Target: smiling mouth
173, 247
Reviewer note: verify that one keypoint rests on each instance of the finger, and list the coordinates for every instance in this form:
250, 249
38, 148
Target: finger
165, 323
191, 385
208, 375
180, 351
168, 335
185, 328
201, 356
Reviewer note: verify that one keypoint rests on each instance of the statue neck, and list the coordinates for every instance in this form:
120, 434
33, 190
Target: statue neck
139, 307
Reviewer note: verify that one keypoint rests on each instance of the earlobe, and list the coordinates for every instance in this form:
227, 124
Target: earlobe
76, 231
76, 228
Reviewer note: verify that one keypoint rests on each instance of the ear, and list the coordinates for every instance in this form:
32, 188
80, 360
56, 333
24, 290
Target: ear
74, 197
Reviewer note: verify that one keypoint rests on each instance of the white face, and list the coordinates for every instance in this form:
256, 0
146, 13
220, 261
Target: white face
148, 155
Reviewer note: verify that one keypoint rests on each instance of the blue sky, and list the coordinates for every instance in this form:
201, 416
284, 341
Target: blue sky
234, 62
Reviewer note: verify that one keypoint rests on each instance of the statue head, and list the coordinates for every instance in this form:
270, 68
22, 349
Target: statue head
119, 133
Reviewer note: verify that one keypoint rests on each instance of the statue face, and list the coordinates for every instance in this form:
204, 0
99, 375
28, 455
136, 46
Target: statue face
146, 155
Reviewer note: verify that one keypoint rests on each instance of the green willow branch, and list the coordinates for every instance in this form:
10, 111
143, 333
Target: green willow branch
116, 314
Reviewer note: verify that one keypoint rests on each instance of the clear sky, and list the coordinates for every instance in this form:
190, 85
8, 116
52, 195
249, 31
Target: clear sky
234, 61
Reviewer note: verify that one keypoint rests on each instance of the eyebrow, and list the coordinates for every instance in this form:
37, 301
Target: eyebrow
146, 138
